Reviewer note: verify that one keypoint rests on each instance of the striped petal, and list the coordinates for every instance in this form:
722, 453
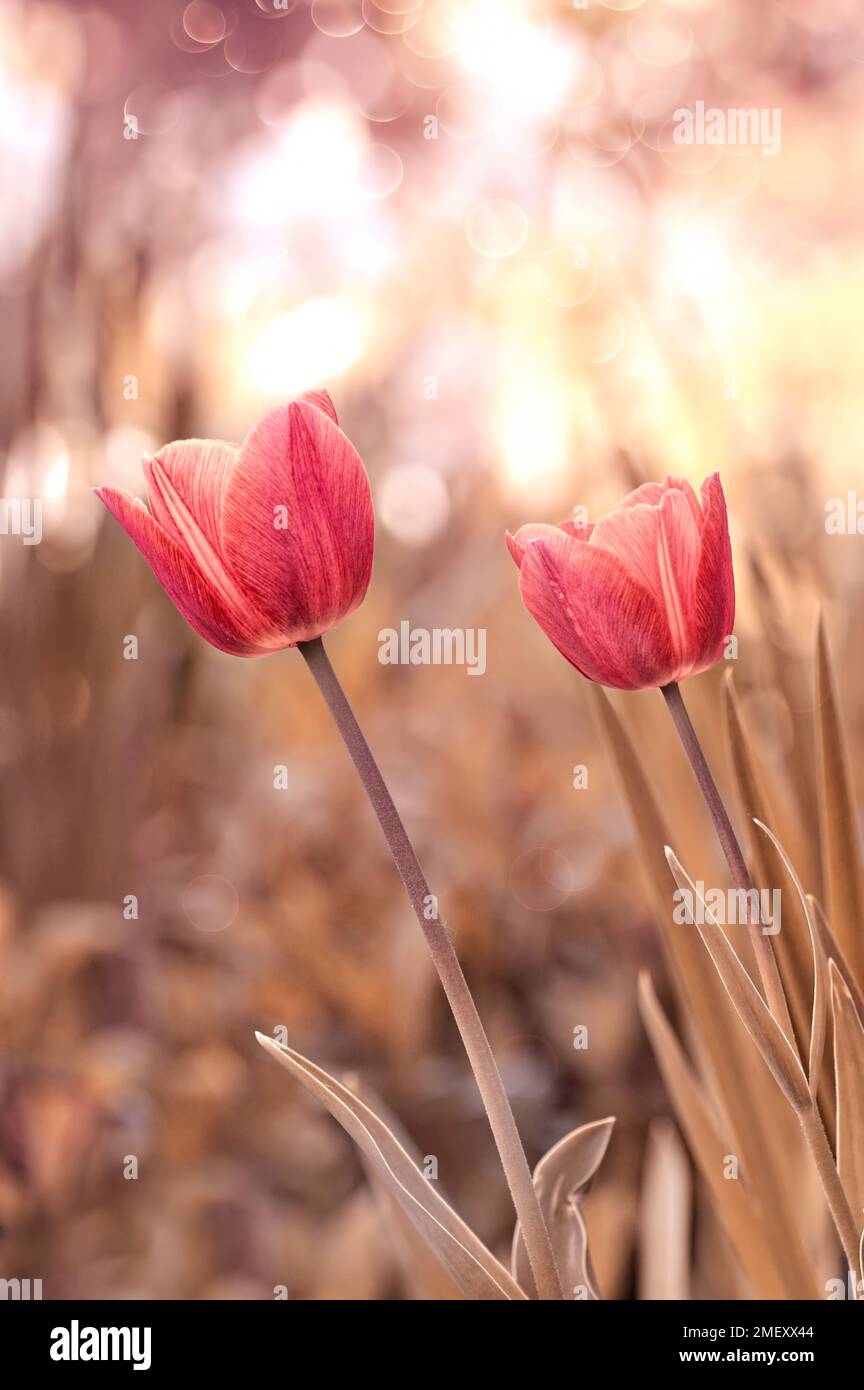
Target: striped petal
653, 494
714, 598
534, 531
323, 400
297, 527
186, 586
185, 485
596, 613
659, 546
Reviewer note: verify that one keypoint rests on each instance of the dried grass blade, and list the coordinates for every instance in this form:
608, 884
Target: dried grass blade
792, 945
667, 1196
831, 948
820, 993
849, 1079
756, 1120
787, 673
754, 1013
739, 1214
845, 900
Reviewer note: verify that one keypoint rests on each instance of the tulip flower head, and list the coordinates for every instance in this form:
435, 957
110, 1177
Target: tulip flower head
641, 598
262, 546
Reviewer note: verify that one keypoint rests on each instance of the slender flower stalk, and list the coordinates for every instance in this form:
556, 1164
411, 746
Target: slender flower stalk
808, 1115
517, 1172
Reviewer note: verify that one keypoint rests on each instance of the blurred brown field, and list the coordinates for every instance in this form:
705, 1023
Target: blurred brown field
207, 209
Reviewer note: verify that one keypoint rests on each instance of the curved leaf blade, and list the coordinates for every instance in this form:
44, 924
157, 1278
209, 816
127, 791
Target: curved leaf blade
560, 1180
465, 1257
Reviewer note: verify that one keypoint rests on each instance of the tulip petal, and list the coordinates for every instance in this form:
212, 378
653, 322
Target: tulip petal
533, 531
653, 494
659, 546
184, 584
186, 481
599, 617
297, 525
323, 400
714, 604
577, 529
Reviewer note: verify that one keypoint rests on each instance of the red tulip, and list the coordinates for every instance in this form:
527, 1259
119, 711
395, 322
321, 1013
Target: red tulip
645, 596
261, 546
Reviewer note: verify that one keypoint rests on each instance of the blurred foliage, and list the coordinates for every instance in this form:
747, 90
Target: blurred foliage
537, 309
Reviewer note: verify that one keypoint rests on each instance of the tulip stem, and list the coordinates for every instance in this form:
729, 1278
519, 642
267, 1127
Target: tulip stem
425, 905
766, 961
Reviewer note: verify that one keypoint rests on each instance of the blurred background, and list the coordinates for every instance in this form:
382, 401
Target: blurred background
472, 223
